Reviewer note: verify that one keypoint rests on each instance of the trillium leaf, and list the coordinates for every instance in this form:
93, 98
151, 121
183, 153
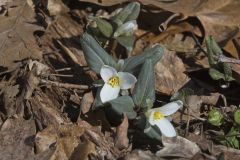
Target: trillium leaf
128, 13
126, 42
94, 54
144, 90
133, 63
104, 26
97, 101
153, 132
123, 104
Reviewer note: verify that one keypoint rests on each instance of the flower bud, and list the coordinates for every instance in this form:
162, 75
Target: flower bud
215, 117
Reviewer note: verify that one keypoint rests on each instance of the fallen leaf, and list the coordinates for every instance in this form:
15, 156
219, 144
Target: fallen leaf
215, 150
65, 137
9, 99
141, 155
122, 141
17, 41
178, 147
45, 110
16, 139
104, 145
86, 102
169, 72
83, 150
56, 7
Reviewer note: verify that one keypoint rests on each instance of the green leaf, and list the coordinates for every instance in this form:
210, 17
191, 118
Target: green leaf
133, 63
144, 90
213, 50
128, 13
126, 42
231, 138
215, 74
94, 54
104, 26
124, 104
153, 132
237, 116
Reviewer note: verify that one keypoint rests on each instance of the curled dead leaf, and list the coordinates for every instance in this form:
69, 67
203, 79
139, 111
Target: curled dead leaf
178, 147
169, 72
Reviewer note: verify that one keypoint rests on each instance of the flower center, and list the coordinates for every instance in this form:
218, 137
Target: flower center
114, 81
157, 115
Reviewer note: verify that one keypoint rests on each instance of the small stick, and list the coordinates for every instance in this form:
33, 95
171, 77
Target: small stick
225, 59
63, 69
65, 85
60, 75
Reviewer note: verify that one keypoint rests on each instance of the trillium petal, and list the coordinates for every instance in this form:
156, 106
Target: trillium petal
126, 28
107, 72
166, 127
109, 93
170, 108
127, 80
151, 119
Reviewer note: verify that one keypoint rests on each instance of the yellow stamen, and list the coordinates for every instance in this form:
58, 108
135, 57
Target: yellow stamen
157, 115
114, 81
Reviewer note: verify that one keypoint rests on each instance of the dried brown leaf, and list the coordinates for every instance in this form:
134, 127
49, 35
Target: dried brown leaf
9, 99
83, 150
141, 155
169, 73
16, 137
122, 141
178, 147
56, 7
86, 102
17, 40
65, 137
105, 145
46, 111
214, 150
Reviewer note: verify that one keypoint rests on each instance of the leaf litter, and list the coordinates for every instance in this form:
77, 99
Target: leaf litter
47, 90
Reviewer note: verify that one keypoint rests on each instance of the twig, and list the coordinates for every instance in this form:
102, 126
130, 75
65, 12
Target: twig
63, 69
68, 52
60, 75
225, 59
195, 116
65, 85
188, 121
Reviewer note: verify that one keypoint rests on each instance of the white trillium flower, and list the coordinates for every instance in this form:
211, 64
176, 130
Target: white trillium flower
114, 81
126, 28
159, 117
